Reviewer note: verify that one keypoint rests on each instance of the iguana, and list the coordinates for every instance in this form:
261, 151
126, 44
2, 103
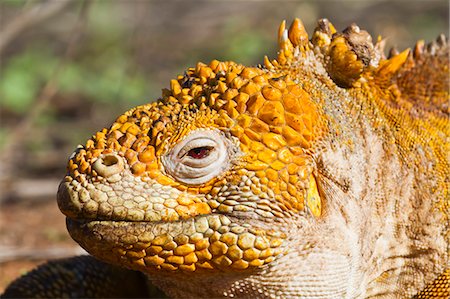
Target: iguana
322, 174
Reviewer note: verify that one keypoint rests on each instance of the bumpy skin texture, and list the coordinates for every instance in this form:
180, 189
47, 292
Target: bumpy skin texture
322, 174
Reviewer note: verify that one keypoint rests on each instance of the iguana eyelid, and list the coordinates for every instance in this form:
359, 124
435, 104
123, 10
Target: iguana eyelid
196, 143
202, 162
192, 171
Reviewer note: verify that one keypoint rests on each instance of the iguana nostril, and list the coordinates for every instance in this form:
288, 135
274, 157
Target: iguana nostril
108, 165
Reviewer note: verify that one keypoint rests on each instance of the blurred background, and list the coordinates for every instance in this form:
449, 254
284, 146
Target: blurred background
69, 67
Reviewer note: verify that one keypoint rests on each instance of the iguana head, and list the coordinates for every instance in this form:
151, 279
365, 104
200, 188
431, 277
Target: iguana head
212, 175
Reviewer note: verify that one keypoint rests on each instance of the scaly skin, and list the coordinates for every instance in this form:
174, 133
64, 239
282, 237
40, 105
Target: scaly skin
323, 174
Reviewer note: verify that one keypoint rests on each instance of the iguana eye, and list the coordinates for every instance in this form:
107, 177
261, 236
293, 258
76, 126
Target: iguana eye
200, 156
200, 152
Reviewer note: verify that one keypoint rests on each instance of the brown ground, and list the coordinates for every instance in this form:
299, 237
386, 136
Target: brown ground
31, 233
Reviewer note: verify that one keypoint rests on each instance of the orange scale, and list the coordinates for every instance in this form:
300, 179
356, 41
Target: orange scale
267, 156
250, 88
255, 103
138, 168
283, 186
259, 126
277, 165
221, 87
284, 175
237, 131
272, 113
229, 77
291, 104
295, 121
284, 155
270, 93
250, 72
252, 134
272, 174
261, 79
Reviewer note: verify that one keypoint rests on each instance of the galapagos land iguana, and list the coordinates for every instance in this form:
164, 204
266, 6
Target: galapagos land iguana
322, 174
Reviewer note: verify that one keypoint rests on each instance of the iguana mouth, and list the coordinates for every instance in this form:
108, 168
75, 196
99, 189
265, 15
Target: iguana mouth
204, 242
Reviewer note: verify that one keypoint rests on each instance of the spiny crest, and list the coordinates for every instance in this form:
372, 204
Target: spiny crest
433, 48
348, 56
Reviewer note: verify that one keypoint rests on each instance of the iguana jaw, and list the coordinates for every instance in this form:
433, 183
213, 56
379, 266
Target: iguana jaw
197, 244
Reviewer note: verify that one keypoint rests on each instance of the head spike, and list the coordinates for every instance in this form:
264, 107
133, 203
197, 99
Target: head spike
379, 50
286, 43
286, 47
282, 60
275, 63
267, 63
389, 67
281, 30
393, 52
297, 33
441, 40
381, 43
419, 48
432, 47
323, 33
